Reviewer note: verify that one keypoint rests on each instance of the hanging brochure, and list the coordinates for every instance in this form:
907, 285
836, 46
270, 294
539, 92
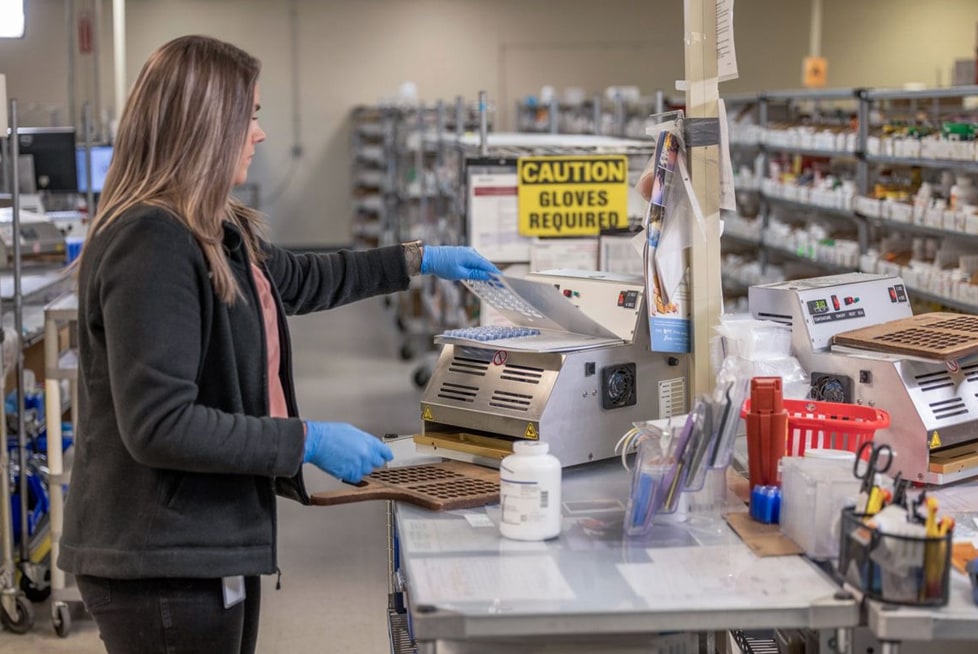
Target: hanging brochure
666, 224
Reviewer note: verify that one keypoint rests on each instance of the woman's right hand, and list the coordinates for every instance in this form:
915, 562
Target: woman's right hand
344, 451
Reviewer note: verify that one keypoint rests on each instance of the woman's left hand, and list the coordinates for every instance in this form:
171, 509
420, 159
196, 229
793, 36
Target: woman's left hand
456, 262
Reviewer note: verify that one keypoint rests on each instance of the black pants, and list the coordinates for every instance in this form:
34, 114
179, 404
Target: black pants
171, 616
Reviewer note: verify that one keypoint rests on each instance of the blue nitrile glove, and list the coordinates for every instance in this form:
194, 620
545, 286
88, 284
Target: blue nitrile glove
344, 451
456, 262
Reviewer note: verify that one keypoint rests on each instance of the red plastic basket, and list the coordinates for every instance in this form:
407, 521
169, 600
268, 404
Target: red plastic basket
830, 425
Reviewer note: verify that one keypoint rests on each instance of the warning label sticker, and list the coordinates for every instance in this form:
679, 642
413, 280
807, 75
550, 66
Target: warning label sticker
426, 413
531, 432
572, 195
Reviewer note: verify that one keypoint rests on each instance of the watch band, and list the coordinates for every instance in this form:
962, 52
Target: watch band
413, 253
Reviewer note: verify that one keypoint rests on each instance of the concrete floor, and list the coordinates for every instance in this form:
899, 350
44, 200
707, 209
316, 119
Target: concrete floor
333, 559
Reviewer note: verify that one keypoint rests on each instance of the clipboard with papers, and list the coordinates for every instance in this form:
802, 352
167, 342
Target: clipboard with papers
543, 319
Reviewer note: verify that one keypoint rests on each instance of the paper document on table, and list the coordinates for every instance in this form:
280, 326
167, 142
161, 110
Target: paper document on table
487, 578
439, 536
723, 577
957, 499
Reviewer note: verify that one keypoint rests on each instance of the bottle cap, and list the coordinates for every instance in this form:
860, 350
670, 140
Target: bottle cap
530, 447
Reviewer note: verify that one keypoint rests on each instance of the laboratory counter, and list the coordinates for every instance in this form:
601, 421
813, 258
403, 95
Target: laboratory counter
469, 589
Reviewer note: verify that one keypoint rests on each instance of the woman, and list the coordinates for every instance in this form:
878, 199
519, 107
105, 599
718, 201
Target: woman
187, 420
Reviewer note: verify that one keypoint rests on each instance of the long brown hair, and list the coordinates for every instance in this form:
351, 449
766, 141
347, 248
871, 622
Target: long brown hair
179, 142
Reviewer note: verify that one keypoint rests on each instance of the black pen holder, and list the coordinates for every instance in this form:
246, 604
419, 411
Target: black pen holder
891, 567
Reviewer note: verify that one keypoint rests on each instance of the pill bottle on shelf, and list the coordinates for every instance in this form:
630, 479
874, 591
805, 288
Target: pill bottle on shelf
963, 193
529, 492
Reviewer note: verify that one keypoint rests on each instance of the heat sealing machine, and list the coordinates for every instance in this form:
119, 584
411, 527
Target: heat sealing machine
572, 368
932, 402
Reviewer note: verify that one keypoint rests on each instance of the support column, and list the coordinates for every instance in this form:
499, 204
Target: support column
119, 54
700, 31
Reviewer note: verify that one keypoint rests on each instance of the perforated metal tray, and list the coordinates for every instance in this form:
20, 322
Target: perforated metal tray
940, 336
437, 486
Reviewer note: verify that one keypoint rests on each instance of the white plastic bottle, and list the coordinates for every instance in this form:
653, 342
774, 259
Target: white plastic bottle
529, 492
963, 193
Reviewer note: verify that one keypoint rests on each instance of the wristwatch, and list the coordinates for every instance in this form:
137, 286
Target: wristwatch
413, 253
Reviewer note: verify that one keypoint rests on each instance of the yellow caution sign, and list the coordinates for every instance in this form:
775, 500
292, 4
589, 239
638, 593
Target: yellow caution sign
572, 195
531, 432
935, 440
426, 414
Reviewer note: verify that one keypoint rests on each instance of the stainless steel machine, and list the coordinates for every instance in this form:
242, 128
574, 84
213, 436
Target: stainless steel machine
39, 237
933, 405
575, 372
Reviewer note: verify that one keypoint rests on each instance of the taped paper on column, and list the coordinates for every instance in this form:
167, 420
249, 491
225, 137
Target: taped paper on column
726, 51
667, 238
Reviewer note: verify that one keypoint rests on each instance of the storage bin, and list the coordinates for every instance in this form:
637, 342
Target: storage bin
813, 493
828, 425
894, 568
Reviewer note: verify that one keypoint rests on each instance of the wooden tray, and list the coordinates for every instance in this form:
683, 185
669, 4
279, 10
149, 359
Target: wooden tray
435, 486
940, 336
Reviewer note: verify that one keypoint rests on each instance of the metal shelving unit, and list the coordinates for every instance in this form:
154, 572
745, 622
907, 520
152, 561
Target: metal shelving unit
918, 162
742, 240
914, 228
859, 117
599, 115
812, 208
950, 303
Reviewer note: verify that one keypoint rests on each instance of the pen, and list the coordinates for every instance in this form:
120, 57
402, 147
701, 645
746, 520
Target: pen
930, 524
934, 554
877, 498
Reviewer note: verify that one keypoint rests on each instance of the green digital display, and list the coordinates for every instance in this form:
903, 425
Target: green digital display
818, 306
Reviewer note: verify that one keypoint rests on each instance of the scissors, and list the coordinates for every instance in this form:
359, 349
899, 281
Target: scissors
877, 459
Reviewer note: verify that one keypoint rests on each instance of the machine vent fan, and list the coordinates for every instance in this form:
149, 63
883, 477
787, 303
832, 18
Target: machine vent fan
468, 366
948, 408
776, 317
970, 372
934, 380
524, 374
827, 387
618, 386
458, 392
512, 401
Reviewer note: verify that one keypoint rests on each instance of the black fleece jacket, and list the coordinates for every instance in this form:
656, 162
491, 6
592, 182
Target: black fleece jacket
177, 464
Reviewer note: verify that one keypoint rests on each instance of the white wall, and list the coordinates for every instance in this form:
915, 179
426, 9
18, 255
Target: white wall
357, 51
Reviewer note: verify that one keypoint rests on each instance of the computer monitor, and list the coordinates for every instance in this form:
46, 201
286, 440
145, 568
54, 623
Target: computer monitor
52, 150
101, 156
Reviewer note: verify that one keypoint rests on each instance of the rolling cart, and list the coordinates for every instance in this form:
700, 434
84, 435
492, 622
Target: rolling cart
60, 362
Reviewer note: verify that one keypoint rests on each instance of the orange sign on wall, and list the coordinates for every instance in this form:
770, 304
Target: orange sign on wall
815, 70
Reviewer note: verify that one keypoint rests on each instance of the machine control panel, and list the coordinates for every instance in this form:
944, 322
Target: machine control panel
628, 299
825, 306
835, 307
898, 293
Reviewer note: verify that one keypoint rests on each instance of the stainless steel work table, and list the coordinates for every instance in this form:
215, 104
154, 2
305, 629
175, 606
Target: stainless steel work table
954, 622
957, 621
467, 584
